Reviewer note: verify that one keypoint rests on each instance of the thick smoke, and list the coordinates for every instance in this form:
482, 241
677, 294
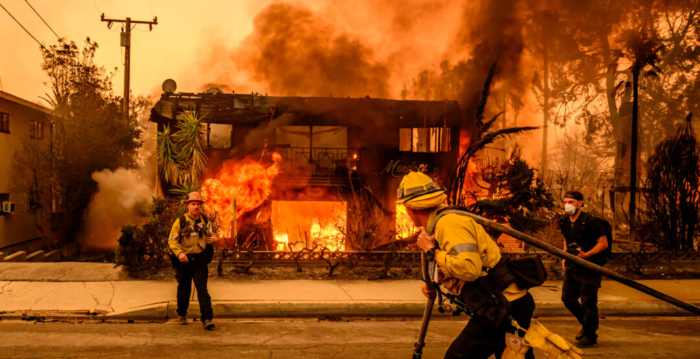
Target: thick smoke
298, 53
123, 198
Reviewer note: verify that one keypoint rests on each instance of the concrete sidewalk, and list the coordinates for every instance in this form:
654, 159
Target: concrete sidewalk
114, 297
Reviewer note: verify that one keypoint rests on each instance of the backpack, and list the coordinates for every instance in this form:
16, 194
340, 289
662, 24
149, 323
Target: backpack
526, 271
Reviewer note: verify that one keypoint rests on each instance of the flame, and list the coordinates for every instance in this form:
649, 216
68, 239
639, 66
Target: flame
328, 236
308, 224
404, 224
248, 182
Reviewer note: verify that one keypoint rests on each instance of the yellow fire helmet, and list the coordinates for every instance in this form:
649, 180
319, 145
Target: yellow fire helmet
417, 186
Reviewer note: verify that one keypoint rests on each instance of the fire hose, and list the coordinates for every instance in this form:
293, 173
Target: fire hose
418, 348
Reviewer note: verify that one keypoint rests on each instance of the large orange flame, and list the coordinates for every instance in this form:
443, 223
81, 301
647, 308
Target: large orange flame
247, 181
310, 224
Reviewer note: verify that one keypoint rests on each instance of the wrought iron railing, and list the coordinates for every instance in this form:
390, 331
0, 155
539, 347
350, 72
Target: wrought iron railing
316, 160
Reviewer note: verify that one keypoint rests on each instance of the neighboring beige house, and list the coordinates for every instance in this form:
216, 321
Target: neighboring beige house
20, 121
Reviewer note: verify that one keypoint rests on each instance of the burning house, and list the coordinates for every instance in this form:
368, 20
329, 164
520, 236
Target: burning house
287, 173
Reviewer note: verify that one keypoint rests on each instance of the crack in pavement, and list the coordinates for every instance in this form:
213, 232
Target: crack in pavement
114, 292
2, 290
97, 302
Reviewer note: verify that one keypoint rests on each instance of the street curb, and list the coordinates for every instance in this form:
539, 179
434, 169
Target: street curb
320, 309
290, 309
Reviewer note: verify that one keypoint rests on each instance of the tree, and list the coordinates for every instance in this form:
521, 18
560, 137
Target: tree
643, 48
481, 136
583, 86
673, 189
86, 135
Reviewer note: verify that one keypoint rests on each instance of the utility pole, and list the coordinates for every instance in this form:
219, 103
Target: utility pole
126, 43
545, 125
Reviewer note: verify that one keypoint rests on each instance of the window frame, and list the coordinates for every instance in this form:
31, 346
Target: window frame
433, 137
36, 130
4, 122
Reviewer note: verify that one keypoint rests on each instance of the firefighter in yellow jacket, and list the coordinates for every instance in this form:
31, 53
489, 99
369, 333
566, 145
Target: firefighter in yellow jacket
464, 252
191, 245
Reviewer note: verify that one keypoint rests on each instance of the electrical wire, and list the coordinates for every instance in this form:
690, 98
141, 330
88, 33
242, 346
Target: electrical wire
151, 6
23, 28
97, 8
42, 19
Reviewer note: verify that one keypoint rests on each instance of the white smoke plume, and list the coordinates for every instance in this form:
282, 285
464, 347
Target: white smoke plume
123, 198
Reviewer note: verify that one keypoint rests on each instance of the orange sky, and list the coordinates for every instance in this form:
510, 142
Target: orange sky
171, 50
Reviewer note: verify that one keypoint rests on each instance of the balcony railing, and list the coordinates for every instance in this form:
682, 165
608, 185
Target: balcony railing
315, 160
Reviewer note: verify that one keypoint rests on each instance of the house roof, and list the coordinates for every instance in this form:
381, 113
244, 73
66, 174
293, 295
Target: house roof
24, 102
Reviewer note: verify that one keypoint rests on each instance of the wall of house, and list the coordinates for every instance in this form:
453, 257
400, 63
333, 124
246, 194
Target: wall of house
19, 226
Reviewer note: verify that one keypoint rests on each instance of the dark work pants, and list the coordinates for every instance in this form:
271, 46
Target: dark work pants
583, 285
196, 269
479, 340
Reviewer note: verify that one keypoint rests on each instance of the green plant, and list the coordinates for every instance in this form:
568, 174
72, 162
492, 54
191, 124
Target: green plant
147, 244
181, 157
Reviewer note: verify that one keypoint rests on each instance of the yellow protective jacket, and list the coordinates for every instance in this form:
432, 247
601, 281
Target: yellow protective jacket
191, 243
465, 249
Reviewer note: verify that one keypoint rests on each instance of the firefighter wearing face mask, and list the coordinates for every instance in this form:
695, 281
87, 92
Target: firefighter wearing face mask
586, 239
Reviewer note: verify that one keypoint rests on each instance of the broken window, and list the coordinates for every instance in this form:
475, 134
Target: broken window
426, 139
219, 135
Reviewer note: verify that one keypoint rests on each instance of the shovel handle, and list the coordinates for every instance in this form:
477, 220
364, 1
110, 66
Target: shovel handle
420, 342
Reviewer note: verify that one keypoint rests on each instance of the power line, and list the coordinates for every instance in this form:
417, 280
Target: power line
42, 19
151, 6
96, 8
23, 28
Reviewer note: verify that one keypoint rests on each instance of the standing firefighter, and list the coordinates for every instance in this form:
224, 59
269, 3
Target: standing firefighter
192, 250
585, 237
471, 266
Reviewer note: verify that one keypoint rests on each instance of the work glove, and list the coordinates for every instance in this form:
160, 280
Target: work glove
550, 344
516, 347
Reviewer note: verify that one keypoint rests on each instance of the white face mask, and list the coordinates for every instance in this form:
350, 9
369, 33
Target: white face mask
570, 209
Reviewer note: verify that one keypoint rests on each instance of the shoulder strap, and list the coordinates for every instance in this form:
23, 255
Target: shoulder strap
441, 213
457, 248
181, 220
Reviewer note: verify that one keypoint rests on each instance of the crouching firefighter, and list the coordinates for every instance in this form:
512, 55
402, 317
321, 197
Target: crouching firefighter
191, 243
470, 268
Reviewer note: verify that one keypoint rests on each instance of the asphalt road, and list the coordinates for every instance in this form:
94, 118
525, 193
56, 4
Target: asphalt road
636, 338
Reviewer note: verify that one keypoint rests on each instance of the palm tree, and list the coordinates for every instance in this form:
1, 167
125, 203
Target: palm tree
181, 156
482, 136
642, 48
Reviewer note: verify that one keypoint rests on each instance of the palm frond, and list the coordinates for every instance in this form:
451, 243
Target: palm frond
190, 140
487, 126
485, 93
490, 137
168, 156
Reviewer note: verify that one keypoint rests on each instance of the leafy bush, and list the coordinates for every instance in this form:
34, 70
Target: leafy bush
147, 244
673, 190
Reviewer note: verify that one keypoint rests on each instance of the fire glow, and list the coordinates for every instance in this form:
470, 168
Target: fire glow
308, 224
247, 182
404, 225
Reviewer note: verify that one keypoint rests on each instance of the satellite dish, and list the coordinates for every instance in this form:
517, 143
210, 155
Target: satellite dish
169, 86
